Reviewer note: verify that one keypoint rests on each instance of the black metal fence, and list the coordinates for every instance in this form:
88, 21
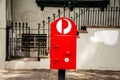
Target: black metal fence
110, 16
24, 41
96, 17
14, 40
107, 17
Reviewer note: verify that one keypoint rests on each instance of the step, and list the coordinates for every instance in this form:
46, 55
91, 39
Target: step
22, 64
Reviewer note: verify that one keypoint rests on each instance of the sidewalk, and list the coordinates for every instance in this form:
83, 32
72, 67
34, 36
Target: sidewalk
52, 75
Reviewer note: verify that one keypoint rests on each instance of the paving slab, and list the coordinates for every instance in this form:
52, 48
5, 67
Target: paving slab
53, 75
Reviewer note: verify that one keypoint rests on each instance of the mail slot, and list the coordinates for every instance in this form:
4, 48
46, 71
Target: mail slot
63, 44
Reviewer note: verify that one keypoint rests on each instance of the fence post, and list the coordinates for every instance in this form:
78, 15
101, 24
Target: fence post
81, 17
15, 37
28, 46
59, 13
39, 42
69, 13
64, 11
119, 14
43, 52
111, 16
19, 38
74, 14
7, 43
43, 26
54, 16
79, 27
12, 47
29, 40
116, 15
105, 18
19, 29
93, 22
23, 27
71, 17
76, 20
26, 27
48, 32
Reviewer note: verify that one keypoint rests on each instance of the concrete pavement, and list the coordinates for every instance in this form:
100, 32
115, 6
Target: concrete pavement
52, 75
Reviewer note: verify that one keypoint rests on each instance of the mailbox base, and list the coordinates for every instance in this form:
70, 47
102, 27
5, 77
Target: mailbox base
61, 74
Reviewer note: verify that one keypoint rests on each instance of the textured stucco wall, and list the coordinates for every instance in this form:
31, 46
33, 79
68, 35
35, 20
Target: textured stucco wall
97, 49
28, 11
8, 12
2, 33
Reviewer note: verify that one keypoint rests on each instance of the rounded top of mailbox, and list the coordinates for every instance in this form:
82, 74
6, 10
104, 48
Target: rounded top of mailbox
64, 25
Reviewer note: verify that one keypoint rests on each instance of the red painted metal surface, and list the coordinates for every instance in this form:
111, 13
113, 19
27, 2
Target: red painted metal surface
63, 44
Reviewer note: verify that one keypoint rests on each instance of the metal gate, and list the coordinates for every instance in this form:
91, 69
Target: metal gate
26, 42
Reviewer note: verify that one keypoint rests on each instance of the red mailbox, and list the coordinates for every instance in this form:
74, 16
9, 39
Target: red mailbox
63, 44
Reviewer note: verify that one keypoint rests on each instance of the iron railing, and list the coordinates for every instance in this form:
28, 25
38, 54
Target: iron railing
110, 16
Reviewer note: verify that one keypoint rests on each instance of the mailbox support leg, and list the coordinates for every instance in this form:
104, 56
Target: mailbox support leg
61, 74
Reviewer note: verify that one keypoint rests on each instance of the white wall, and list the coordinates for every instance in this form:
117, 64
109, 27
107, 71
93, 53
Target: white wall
28, 11
2, 33
99, 49
8, 12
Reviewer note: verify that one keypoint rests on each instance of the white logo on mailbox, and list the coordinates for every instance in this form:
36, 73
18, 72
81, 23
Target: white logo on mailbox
60, 27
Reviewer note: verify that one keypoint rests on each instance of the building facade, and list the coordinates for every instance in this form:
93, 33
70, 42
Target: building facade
97, 48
